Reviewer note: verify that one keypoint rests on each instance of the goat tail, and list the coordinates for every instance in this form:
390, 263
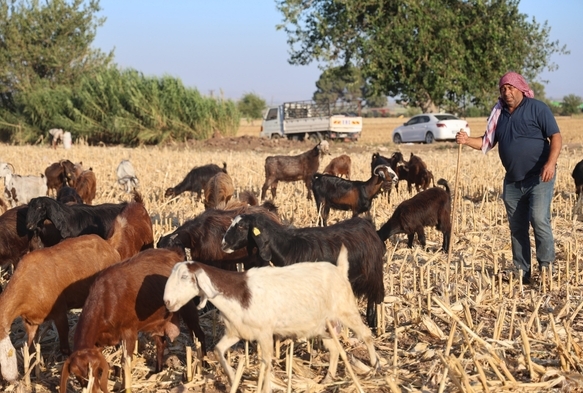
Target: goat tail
137, 197
225, 167
116, 234
445, 184
342, 261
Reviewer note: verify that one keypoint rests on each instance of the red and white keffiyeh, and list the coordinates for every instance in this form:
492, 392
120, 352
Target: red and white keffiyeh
510, 78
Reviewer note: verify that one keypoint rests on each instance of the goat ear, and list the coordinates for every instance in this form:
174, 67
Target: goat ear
202, 302
206, 286
262, 245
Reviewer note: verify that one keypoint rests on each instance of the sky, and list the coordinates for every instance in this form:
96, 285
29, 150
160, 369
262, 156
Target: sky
232, 47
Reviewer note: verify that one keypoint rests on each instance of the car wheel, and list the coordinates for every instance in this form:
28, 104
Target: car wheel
429, 138
397, 139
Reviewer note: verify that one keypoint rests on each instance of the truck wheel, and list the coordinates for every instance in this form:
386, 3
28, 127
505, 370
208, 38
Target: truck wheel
275, 136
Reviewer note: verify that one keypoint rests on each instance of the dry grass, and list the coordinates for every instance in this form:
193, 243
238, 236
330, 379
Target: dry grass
447, 326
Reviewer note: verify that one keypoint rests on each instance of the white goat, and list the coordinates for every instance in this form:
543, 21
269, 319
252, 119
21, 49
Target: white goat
126, 175
21, 189
291, 301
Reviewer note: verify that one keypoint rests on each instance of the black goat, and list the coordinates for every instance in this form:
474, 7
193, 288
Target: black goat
293, 168
578, 178
75, 220
16, 240
393, 162
284, 246
354, 195
69, 196
195, 180
431, 207
204, 233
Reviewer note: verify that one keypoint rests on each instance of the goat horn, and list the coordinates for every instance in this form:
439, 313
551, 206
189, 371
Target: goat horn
379, 166
13, 169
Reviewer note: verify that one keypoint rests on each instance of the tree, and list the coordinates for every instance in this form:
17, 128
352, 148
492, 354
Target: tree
251, 106
429, 53
47, 44
347, 85
571, 105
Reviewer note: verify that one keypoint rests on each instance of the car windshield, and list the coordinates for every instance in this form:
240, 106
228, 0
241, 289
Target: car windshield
446, 117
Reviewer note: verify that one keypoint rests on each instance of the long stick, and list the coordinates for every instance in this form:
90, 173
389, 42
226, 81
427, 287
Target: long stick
453, 211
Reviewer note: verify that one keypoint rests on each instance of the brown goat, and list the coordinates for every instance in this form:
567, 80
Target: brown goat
50, 281
3, 206
204, 233
137, 229
58, 173
125, 299
47, 283
417, 174
218, 189
339, 166
293, 168
84, 182
431, 207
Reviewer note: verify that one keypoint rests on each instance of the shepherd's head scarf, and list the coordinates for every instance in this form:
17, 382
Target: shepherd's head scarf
513, 79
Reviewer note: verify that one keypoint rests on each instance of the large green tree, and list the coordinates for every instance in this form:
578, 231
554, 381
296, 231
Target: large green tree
427, 52
251, 106
47, 44
346, 84
571, 105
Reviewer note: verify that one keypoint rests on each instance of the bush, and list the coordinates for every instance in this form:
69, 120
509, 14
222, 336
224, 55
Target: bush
251, 106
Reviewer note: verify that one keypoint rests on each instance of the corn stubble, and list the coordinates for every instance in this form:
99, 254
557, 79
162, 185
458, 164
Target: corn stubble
444, 327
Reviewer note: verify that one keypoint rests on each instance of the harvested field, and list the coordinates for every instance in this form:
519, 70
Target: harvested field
449, 323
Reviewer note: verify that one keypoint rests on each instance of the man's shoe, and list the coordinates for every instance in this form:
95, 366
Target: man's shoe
525, 277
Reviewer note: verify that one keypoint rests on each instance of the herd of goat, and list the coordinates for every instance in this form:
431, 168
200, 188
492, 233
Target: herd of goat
128, 286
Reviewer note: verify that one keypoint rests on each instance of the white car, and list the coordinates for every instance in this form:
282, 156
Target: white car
430, 127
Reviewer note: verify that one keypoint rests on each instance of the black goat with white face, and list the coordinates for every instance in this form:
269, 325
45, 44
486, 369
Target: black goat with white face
332, 192
285, 246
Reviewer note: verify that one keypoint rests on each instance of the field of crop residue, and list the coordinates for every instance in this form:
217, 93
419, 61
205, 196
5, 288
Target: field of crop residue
449, 323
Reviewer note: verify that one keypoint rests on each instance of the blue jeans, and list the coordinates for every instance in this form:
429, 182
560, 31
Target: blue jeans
529, 202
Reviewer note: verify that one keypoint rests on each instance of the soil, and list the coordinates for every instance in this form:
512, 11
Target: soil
285, 146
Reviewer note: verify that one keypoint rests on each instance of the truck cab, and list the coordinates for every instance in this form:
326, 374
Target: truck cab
272, 124
307, 119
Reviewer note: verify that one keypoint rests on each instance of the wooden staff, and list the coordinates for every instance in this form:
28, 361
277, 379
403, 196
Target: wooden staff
453, 211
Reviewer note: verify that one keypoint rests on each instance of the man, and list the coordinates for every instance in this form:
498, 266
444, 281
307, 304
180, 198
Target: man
57, 135
529, 143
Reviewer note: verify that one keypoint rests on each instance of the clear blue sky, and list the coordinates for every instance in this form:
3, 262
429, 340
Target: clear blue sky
233, 46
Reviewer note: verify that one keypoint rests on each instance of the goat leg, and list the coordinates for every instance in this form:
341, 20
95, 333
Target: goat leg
160, 346
334, 353
371, 314
226, 342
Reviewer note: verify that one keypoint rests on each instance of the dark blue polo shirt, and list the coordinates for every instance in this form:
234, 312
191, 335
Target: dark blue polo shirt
522, 138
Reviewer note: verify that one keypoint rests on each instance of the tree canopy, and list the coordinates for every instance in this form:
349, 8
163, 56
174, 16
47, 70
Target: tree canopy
47, 44
51, 77
428, 53
251, 106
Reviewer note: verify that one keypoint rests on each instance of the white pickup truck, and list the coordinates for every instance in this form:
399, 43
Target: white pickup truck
308, 119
